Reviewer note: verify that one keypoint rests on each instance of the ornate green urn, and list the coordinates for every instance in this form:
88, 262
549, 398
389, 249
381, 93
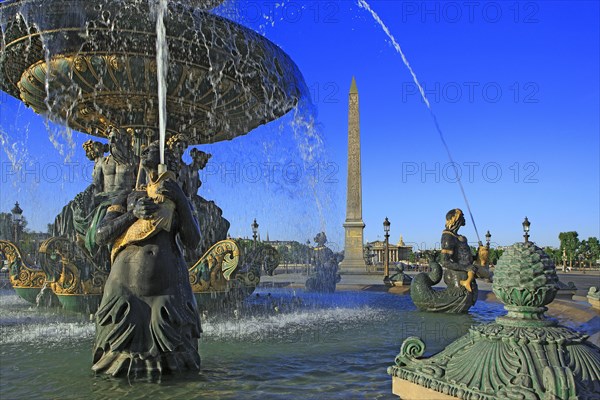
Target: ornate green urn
523, 355
525, 282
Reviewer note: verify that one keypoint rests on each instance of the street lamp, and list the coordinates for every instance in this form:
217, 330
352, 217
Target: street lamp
386, 256
368, 254
488, 236
564, 259
17, 216
308, 252
254, 230
526, 225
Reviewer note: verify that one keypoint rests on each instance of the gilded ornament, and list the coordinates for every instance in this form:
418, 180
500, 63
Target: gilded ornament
80, 64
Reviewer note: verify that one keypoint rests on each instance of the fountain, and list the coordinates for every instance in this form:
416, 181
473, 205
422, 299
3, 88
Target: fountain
92, 67
276, 343
326, 345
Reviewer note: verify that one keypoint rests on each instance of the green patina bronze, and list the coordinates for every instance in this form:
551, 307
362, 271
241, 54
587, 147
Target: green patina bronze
523, 355
324, 276
456, 267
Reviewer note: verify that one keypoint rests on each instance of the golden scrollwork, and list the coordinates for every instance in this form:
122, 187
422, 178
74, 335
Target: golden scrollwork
214, 270
21, 275
73, 263
114, 62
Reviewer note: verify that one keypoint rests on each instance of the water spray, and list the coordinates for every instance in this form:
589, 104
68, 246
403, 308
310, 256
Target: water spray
365, 5
162, 60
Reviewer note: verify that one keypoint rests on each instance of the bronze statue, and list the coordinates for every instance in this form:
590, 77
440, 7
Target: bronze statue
457, 268
483, 257
94, 151
199, 161
119, 169
177, 145
325, 275
147, 322
113, 176
456, 253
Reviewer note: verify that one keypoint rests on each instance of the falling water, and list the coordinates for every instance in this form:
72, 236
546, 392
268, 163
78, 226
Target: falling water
365, 5
162, 64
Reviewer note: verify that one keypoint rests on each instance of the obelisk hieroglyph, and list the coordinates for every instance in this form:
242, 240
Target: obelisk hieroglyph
354, 261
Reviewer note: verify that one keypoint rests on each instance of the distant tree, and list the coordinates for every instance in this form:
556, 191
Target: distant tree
6, 226
582, 253
554, 254
284, 253
431, 255
495, 255
473, 250
569, 242
594, 248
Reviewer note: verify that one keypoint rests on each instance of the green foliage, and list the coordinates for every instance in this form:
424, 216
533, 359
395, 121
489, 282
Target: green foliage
495, 255
588, 251
594, 247
554, 254
6, 226
569, 241
431, 255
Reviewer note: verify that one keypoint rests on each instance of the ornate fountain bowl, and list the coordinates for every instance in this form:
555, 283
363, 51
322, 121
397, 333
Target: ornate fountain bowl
91, 65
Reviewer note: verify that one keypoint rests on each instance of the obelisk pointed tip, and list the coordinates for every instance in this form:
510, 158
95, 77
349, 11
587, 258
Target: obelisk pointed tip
353, 89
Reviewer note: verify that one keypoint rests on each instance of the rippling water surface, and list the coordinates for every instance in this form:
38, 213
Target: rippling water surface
279, 344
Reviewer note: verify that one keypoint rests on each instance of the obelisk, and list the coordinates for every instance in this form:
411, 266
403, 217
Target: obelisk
354, 261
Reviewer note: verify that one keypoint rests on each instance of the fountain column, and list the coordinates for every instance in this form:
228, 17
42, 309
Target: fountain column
354, 261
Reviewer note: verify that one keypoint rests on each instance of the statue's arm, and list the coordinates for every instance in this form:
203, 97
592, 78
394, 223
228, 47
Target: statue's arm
188, 226
98, 177
114, 223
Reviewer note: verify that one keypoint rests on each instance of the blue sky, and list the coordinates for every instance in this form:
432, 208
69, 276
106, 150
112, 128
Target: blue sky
514, 85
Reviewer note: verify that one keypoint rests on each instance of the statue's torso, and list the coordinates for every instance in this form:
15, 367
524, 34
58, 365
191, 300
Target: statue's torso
148, 268
117, 176
463, 251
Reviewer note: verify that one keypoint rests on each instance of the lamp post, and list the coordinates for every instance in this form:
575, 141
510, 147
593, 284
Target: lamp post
17, 216
254, 230
368, 253
488, 236
564, 260
526, 225
386, 256
308, 255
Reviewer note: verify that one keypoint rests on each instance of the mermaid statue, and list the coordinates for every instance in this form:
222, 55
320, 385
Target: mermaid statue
147, 324
456, 267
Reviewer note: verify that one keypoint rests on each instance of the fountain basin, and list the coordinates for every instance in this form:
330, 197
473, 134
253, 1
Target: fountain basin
316, 345
81, 303
91, 65
28, 293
